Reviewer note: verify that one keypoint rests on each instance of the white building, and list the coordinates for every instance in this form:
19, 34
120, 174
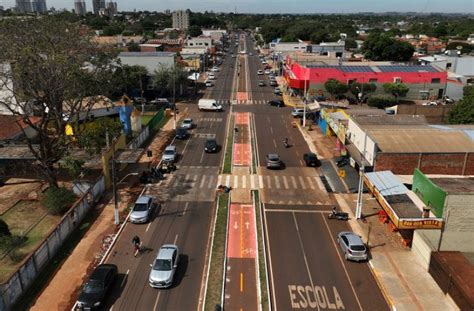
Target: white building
150, 60
200, 42
80, 7
180, 19
6, 93
285, 47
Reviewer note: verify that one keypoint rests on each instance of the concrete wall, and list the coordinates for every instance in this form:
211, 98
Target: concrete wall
358, 137
459, 229
433, 114
428, 163
424, 242
151, 63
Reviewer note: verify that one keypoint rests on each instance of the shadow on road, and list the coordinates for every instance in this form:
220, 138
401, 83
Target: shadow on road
182, 268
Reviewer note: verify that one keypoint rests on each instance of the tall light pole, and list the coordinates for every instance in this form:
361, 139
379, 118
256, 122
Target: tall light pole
361, 181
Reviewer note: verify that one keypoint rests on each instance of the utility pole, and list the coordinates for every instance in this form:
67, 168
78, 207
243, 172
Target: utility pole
114, 180
304, 100
174, 96
361, 182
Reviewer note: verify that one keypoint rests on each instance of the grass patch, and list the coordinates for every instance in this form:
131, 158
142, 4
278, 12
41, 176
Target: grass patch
23, 215
227, 169
261, 255
43, 278
146, 119
216, 272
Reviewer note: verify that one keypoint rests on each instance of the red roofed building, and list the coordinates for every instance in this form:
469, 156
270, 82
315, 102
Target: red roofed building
424, 82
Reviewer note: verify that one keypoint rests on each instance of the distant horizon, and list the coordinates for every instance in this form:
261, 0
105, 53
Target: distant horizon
282, 7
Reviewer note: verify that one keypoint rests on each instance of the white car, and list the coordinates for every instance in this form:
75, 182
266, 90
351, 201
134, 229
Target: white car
164, 267
260, 72
215, 69
187, 123
267, 72
211, 76
209, 83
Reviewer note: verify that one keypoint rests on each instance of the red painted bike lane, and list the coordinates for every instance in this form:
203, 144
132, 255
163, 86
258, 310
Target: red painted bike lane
241, 278
242, 152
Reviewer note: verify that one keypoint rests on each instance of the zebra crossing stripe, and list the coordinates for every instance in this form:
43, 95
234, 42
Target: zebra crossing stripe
236, 182
219, 180
293, 180
277, 182
203, 180
227, 181
269, 182
310, 182
300, 178
260, 181
244, 181
285, 182
319, 183
211, 179
252, 181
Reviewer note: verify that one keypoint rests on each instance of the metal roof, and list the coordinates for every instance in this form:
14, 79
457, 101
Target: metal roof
147, 54
386, 183
407, 68
344, 68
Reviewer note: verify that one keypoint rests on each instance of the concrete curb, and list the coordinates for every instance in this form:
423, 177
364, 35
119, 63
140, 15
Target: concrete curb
384, 291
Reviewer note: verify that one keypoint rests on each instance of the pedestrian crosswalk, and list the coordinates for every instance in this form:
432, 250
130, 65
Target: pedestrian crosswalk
270, 182
200, 120
243, 102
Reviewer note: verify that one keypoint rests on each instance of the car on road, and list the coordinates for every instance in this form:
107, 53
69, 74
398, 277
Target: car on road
209, 83
352, 246
211, 76
261, 83
164, 267
273, 83
277, 91
267, 71
156, 101
311, 159
169, 154
232, 55
273, 160
95, 289
260, 72
181, 133
215, 69
297, 112
276, 103
142, 210
187, 123
211, 146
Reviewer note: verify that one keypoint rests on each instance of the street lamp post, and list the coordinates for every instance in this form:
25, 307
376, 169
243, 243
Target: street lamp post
361, 182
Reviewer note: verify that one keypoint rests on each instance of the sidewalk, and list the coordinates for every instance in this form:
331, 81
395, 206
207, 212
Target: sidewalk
61, 291
404, 282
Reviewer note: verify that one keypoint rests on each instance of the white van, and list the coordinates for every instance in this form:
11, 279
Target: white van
209, 104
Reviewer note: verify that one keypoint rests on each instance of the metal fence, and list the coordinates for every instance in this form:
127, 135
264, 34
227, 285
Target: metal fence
21, 279
155, 121
140, 139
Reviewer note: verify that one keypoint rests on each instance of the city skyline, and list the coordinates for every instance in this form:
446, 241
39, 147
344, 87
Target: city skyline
281, 6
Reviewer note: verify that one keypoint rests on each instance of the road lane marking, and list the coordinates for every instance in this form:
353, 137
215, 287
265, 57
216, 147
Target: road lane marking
202, 157
269, 182
252, 181
285, 182
293, 180
203, 180
244, 181
279, 210
156, 301
303, 185
210, 183
271, 130
185, 208
241, 283
319, 183
260, 181
175, 239
342, 262
277, 182
148, 227
236, 182
310, 182
124, 279
274, 143
304, 253
227, 180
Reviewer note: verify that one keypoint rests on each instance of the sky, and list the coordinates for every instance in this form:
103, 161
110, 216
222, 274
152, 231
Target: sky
281, 6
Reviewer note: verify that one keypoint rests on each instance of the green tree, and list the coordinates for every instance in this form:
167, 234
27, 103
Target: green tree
57, 70
364, 88
125, 79
396, 89
463, 111
382, 101
385, 48
335, 87
58, 200
94, 137
133, 47
4, 230
73, 166
194, 31
169, 81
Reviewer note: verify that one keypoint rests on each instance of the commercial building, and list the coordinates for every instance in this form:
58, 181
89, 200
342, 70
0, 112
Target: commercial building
334, 49
97, 6
31, 6
424, 82
80, 7
286, 47
150, 60
180, 19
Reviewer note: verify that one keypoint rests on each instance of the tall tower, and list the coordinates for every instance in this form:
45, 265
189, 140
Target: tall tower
180, 19
80, 7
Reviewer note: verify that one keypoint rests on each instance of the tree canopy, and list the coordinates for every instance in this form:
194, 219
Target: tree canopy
463, 111
335, 87
379, 47
396, 89
194, 31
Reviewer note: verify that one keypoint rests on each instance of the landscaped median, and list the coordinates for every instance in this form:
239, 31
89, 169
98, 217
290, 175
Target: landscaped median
217, 260
262, 266
227, 168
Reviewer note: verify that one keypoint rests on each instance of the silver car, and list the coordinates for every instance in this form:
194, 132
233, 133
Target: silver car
352, 246
142, 210
188, 122
273, 160
169, 155
164, 267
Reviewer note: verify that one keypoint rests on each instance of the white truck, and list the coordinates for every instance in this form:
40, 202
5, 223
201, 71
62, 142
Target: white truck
209, 104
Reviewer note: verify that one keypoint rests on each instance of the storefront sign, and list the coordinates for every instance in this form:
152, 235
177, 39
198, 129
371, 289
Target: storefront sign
420, 224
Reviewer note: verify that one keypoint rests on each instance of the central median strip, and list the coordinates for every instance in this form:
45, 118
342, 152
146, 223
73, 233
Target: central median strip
261, 253
227, 167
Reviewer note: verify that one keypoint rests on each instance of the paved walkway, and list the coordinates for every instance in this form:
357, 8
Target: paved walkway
60, 293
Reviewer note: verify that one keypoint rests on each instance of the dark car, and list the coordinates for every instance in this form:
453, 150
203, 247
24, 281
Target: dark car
94, 291
276, 103
273, 160
311, 159
181, 133
211, 145
273, 83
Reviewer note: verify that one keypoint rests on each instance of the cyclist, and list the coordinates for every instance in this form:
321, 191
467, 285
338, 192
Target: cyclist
136, 244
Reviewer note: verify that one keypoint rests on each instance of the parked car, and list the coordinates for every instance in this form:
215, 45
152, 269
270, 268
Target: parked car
250, 54
164, 267
211, 145
155, 101
169, 154
260, 72
181, 133
276, 103
261, 83
95, 289
211, 76
142, 209
297, 112
187, 123
215, 69
209, 83
277, 91
273, 83
352, 246
311, 159
273, 160
140, 100
342, 161
267, 71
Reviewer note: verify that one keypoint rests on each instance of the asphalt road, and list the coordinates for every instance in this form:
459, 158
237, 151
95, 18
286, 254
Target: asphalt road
187, 210
306, 267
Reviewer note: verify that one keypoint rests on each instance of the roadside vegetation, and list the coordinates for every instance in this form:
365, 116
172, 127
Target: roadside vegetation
216, 270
